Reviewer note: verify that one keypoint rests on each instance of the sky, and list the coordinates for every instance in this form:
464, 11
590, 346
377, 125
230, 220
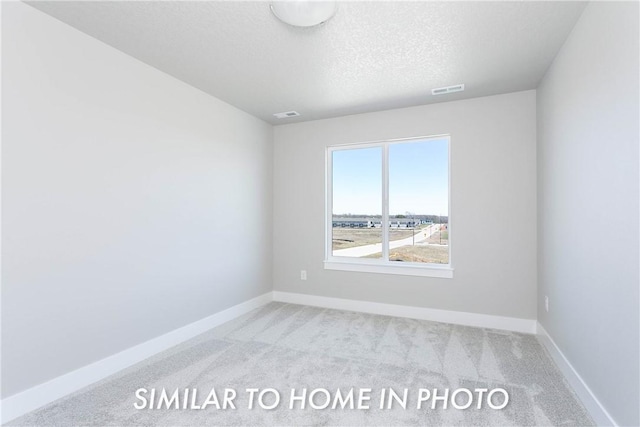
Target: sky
418, 179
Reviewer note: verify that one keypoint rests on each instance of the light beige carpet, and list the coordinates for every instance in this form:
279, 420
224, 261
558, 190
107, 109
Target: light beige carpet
285, 346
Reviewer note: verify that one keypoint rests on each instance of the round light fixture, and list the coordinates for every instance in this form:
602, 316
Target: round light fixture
303, 13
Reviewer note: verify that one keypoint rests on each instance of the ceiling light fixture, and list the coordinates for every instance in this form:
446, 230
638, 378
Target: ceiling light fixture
304, 13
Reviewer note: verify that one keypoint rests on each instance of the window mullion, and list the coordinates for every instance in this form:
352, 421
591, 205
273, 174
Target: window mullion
329, 205
385, 202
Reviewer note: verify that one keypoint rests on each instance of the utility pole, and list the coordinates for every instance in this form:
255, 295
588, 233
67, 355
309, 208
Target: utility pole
413, 227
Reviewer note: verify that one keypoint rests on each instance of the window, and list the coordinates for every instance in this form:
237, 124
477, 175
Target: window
388, 207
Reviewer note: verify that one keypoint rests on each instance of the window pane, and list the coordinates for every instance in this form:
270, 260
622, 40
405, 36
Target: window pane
418, 201
357, 202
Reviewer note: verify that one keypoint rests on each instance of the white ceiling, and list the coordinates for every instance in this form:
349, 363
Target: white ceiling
370, 56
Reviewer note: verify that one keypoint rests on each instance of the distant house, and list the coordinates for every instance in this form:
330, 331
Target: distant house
404, 222
363, 222
355, 222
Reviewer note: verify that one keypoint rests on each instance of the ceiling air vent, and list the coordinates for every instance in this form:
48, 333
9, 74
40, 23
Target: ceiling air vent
286, 114
448, 89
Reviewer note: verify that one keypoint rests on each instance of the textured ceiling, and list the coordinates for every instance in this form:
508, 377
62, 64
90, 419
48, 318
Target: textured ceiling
370, 56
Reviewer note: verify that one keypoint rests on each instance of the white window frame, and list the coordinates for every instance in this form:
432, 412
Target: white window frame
383, 265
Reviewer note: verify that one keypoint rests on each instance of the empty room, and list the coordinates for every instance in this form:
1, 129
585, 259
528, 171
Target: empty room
349, 213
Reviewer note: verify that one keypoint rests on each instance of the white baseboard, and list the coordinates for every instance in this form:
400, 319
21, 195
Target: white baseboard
527, 326
589, 400
35, 397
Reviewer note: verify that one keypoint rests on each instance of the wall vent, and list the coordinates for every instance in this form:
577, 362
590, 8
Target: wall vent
286, 114
448, 89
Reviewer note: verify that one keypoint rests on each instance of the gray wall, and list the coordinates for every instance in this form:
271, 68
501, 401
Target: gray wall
493, 179
588, 204
133, 204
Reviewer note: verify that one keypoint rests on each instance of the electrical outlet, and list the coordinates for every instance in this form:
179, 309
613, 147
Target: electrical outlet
303, 274
546, 303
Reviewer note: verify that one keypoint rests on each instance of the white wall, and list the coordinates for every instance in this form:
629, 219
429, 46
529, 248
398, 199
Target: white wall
133, 204
493, 182
588, 204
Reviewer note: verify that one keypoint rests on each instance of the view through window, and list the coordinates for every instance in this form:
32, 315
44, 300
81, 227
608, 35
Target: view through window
411, 223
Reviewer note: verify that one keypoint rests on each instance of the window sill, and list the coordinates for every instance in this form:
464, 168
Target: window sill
403, 270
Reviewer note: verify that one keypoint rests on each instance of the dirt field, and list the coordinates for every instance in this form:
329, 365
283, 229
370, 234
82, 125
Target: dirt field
350, 237
438, 239
432, 254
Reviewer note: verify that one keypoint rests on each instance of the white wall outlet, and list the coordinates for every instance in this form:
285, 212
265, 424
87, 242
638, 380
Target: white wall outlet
303, 274
546, 303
